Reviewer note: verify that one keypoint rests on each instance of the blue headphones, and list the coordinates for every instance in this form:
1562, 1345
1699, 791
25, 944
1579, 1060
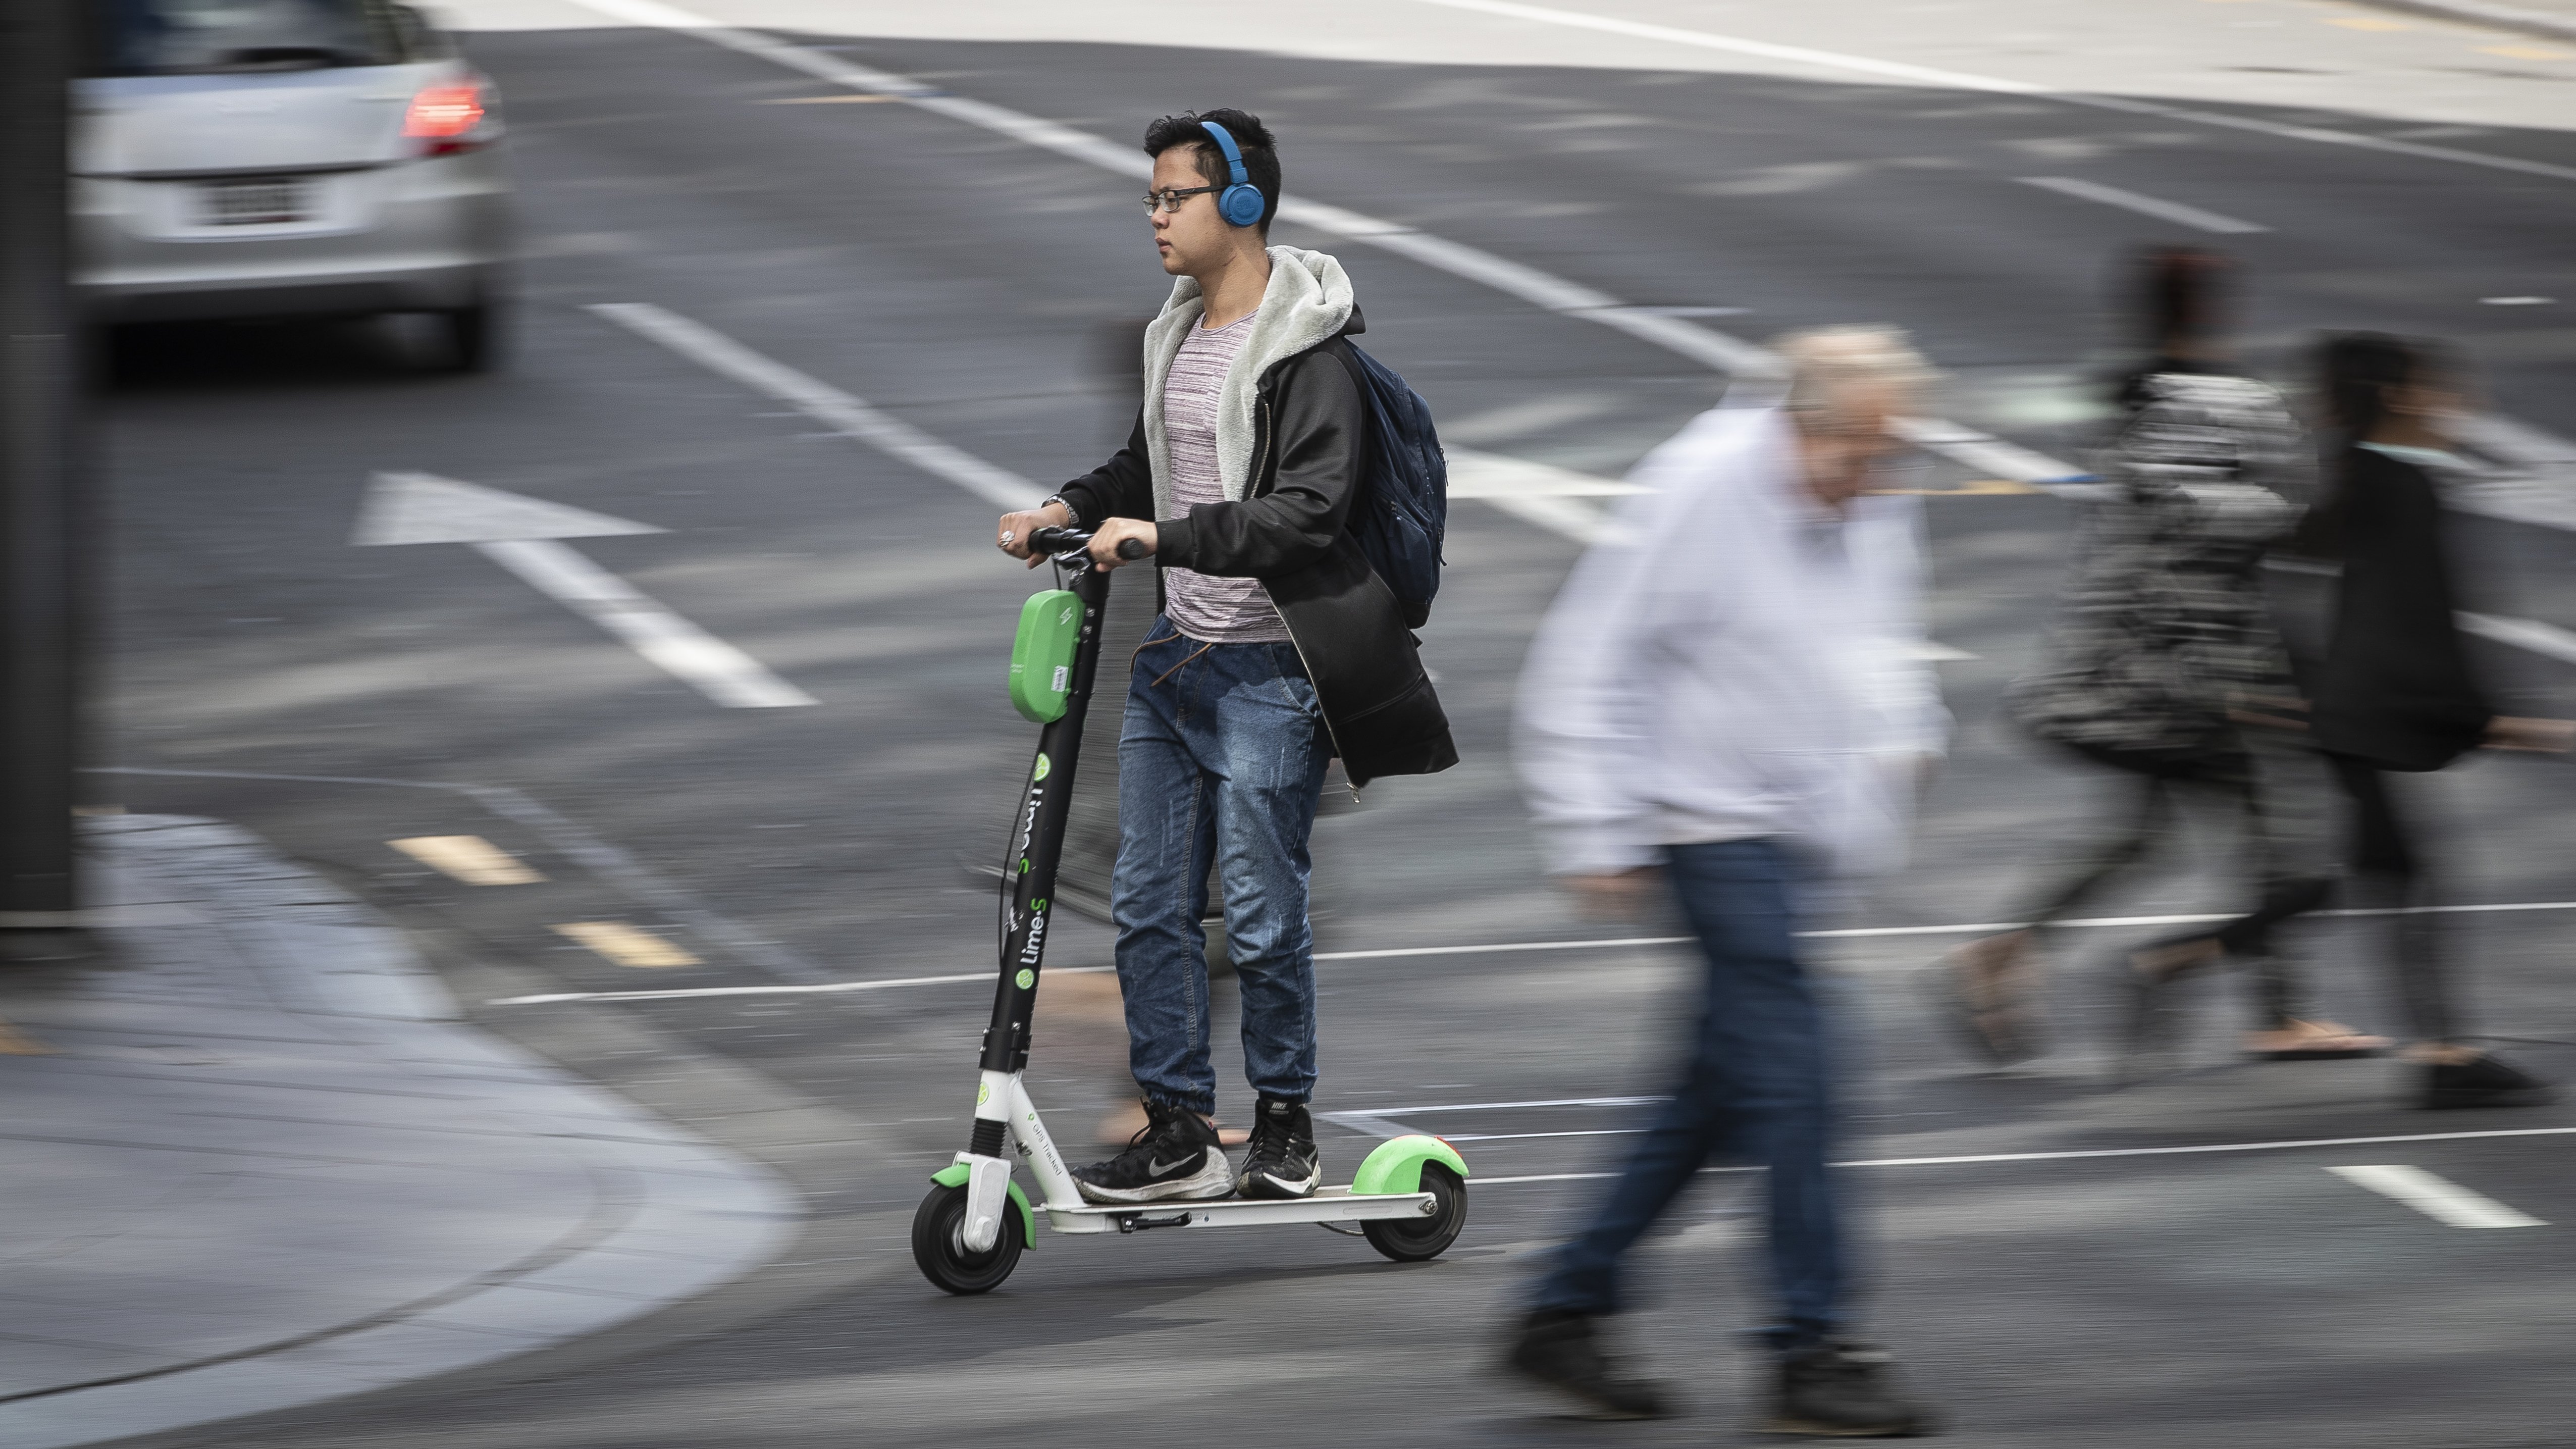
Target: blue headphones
1241, 203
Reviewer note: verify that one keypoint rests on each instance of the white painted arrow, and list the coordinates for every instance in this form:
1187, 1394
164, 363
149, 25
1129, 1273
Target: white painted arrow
520, 534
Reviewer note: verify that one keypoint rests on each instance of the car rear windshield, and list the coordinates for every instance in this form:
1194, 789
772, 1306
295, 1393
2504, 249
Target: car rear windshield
209, 37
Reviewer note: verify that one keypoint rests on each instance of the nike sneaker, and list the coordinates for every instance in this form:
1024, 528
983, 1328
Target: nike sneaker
1175, 1157
1282, 1161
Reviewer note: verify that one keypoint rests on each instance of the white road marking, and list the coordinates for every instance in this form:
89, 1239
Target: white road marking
2437, 1198
849, 416
1492, 476
1498, 1106
524, 535
1519, 1136
1741, 360
691, 654
1658, 326
1610, 944
2530, 477
2173, 211
1985, 1159
1962, 80
409, 508
2531, 634
819, 988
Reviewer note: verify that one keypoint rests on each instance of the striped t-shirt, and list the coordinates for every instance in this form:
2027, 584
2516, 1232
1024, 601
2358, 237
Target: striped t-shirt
1209, 609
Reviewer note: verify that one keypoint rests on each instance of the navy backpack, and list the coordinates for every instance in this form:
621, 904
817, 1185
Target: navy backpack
1403, 506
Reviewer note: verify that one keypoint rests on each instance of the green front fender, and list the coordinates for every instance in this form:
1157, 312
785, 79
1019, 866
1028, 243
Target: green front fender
956, 1173
1396, 1165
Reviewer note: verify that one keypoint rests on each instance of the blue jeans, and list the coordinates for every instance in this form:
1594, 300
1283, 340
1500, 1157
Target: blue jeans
1756, 1090
1221, 757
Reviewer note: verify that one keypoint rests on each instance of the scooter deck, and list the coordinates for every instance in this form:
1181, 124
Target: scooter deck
1328, 1205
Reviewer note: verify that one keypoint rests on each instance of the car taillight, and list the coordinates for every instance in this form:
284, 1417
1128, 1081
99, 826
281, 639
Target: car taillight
445, 116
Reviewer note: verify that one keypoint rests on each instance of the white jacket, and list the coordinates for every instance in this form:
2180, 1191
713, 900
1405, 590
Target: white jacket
1733, 660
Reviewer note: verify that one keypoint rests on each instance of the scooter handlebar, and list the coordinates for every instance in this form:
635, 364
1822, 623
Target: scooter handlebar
1070, 540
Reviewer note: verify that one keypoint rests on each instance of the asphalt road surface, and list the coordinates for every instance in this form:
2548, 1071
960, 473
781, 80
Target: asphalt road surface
788, 257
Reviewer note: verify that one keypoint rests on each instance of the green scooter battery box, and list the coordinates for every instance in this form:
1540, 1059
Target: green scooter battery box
1042, 655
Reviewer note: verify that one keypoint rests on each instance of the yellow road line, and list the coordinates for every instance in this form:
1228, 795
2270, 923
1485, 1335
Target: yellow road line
469, 858
16, 1043
626, 945
2524, 52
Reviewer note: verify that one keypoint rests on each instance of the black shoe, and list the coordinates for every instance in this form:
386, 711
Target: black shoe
1560, 1350
2486, 1081
1841, 1389
1282, 1160
1175, 1157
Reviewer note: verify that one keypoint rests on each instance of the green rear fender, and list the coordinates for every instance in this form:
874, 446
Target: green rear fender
1396, 1165
956, 1173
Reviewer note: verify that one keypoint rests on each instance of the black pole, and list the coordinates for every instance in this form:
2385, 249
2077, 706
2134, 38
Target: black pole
39, 399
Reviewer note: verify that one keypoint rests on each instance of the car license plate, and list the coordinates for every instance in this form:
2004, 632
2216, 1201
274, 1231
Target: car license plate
256, 201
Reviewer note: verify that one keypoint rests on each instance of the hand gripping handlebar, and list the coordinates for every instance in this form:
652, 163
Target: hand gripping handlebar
1060, 541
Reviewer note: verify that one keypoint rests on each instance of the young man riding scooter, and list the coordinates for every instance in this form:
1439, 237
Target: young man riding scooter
1277, 649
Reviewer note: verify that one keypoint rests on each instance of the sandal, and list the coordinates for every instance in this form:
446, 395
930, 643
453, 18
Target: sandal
2315, 1041
1990, 1018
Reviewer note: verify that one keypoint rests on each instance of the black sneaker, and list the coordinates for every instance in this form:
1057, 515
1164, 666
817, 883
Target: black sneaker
1281, 1160
1560, 1349
1174, 1157
1841, 1389
2487, 1081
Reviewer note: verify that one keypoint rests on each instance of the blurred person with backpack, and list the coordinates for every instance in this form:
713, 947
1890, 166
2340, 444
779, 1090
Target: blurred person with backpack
1728, 702
1285, 487
2394, 691
2164, 665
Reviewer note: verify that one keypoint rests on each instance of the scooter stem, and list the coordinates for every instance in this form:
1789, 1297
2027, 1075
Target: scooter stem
1038, 844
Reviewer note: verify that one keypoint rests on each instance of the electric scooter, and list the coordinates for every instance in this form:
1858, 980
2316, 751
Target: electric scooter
1409, 1197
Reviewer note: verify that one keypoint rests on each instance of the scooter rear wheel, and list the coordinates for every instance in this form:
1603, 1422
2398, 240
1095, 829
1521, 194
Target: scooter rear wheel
1415, 1240
939, 1245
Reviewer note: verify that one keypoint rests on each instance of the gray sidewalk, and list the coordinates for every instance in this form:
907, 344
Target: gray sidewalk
252, 1161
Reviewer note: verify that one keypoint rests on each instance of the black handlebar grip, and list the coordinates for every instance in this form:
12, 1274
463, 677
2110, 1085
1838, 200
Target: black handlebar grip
1131, 548
1056, 540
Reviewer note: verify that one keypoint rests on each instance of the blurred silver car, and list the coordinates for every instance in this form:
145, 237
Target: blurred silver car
263, 158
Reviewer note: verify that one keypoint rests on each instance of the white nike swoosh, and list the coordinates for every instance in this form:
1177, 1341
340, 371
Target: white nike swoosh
1158, 1167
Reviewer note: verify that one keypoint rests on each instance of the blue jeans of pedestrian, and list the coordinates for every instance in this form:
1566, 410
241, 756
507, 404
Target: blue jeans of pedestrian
1756, 1091
1220, 757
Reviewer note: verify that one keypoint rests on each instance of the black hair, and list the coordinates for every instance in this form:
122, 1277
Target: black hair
1260, 151
2182, 295
2355, 373
2178, 296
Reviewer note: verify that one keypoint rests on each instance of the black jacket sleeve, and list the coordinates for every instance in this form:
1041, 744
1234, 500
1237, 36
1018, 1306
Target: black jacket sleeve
1123, 487
1313, 418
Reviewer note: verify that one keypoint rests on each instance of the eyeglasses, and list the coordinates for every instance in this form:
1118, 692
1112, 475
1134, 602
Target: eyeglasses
1170, 198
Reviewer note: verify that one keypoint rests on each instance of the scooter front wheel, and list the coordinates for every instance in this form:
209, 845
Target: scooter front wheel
1415, 1240
939, 1246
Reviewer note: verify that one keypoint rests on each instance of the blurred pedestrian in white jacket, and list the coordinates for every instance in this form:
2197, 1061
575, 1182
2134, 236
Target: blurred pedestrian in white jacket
1739, 657
1730, 697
